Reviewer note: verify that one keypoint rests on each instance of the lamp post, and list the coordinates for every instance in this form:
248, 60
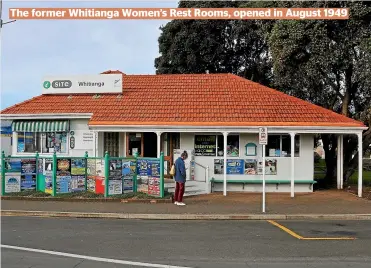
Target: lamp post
1, 16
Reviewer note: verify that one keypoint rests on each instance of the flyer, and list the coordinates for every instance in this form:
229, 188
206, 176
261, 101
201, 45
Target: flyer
63, 184
235, 166
78, 166
48, 166
115, 170
250, 167
154, 186
40, 166
12, 182
28, 182
218, 166
142, 167
128, 168
77, 183
115, 187
99, 168
28, 166
91, 167
12, 165
63, 167
48, 184
153, 168
91, 184
128, 184
142, 184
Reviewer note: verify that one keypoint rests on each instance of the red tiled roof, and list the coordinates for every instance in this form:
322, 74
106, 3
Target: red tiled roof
188, 99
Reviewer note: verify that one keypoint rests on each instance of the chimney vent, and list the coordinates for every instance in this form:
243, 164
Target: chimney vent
207, 71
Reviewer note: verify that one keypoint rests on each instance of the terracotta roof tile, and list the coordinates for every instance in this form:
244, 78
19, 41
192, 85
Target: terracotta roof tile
188, 99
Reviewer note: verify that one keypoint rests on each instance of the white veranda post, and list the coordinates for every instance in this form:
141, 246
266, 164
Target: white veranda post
360, 164
225, 135
158, 144
340, 162
292, 135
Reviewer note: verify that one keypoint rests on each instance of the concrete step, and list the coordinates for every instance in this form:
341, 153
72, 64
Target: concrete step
192, 188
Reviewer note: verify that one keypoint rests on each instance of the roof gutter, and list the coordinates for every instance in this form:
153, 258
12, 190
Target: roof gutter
212, 129
46, 116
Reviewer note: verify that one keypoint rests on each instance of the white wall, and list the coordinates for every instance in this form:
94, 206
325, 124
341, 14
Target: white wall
6, 145
6, 141
304, 164
84, 138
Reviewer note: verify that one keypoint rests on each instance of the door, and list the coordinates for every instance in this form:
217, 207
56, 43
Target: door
134, 144
173, 142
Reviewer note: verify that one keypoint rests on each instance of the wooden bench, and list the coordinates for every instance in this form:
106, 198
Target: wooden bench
276, 182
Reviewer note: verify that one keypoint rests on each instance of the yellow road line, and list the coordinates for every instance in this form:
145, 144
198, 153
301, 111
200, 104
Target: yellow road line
285, 229
328, 238
292, 233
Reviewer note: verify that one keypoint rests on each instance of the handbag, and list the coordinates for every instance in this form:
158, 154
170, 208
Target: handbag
172, 170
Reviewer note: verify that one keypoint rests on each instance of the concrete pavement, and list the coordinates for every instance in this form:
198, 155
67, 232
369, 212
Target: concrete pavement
321, 202
187, 244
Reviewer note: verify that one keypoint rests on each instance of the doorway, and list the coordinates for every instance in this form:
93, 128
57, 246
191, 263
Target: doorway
150, 144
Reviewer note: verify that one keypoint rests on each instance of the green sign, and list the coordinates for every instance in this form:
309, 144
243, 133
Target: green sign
46, 84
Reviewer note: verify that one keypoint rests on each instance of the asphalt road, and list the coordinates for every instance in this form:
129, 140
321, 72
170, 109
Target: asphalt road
186, 244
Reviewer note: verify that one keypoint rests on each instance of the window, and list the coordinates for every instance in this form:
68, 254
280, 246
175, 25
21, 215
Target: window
233, 145
28, 142
205, 145
176, 140
42, 142
111, 143
135, 143
280, 146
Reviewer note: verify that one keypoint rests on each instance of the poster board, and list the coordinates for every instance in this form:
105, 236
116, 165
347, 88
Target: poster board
238, 167
148, 176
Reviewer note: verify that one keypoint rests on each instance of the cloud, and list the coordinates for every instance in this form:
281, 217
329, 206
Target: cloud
34, 49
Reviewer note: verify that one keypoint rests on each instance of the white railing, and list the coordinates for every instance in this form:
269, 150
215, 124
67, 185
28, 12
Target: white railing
206, 169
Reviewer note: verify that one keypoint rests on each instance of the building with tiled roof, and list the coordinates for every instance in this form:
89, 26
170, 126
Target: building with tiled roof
216, 117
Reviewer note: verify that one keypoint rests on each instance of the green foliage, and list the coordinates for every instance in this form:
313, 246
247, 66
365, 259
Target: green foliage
218, 46
317, 157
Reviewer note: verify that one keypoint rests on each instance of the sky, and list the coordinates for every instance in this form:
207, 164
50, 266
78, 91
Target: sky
32, 49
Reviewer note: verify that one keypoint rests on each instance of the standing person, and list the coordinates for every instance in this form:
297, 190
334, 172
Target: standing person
180, 179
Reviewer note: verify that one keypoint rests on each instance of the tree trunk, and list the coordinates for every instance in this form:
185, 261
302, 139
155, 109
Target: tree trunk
329, 145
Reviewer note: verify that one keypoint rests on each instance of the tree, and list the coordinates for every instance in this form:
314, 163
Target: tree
333, 60
218, 46
331, 57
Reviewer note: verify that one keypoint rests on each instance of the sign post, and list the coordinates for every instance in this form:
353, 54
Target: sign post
263, 140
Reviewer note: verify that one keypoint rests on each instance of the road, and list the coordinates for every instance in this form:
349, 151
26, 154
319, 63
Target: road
206, 244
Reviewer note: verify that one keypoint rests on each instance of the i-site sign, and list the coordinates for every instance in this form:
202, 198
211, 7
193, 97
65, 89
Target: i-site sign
103, 83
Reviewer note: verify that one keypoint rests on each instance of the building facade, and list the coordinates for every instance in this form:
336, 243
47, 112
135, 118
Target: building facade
215, 117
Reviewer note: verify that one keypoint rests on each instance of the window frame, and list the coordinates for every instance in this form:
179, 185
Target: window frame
280, 135
40, 140
239, 145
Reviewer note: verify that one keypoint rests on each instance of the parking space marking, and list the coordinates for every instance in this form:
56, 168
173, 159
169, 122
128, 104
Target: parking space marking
292, 233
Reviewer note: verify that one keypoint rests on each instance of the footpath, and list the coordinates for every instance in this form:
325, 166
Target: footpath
332, 204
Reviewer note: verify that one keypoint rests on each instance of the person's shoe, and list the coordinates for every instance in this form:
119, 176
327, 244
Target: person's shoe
176, 203
181, 204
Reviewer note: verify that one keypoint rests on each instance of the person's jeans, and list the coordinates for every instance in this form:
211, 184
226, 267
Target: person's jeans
179, 192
